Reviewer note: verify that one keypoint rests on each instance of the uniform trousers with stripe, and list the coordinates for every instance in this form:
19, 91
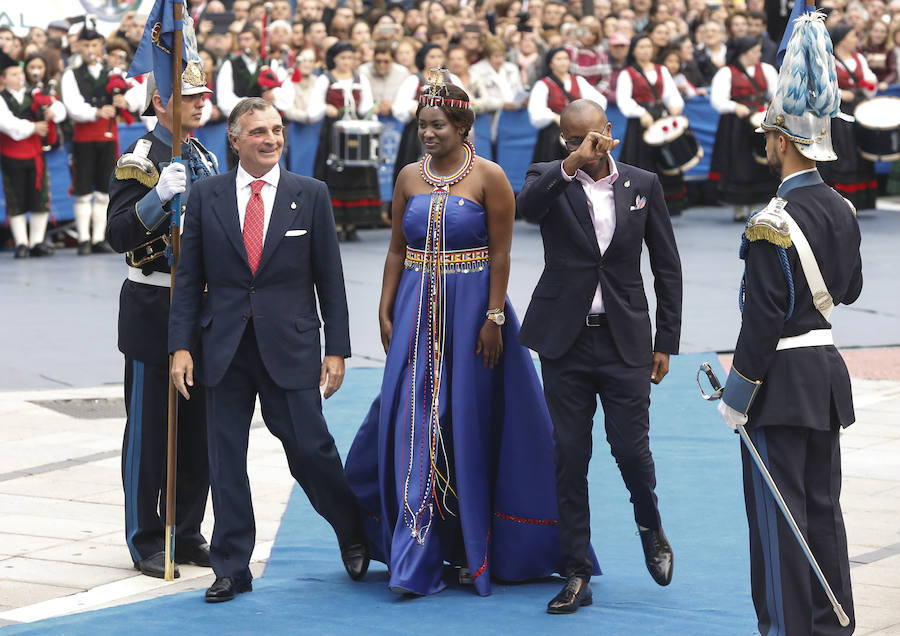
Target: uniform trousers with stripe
806, 466
144, 462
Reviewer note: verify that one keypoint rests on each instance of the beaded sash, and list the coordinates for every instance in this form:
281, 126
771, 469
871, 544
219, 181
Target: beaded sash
427, 486
450, 262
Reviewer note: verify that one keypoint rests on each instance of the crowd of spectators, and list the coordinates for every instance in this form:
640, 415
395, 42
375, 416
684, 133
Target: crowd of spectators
495, 49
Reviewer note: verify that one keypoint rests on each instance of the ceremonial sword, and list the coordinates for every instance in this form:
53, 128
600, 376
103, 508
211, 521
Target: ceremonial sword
782, 505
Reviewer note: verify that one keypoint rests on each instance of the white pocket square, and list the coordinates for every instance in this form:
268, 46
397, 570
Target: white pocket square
295, 233
639, 203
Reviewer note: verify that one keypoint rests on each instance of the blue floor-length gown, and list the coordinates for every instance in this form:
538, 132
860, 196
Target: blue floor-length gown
496, 429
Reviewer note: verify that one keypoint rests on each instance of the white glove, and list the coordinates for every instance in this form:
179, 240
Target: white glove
732, 418
172, 181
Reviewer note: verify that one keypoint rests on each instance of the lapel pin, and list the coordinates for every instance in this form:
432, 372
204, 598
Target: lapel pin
628, 184
293, 205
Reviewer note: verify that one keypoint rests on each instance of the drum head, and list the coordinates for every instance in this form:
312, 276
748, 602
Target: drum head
879, 113
665, 130
359, 126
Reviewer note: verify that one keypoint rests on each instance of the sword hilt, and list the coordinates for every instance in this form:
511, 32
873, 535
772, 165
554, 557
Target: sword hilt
713, 380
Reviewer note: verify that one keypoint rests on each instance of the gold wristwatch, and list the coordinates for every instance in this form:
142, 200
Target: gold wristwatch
496, 316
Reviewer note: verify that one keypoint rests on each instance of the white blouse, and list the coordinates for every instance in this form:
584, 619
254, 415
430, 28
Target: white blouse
671, 98
720, 89
540, 114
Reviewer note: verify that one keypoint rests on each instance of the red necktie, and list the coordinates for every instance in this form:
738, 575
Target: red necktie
253, 225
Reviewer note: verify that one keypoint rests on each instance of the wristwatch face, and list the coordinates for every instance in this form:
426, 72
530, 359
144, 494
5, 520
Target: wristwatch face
498, 319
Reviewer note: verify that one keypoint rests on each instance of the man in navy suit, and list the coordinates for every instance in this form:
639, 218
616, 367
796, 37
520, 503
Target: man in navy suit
589, 321
263, 242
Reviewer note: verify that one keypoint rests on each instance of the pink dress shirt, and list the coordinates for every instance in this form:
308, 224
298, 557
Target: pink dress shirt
601, 205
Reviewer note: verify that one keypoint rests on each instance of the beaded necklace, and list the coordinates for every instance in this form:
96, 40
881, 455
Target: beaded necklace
425, 434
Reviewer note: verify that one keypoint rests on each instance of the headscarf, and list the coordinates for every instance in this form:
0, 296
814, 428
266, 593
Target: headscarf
420, 55
839, 32
549, 57
334, 50
739, 46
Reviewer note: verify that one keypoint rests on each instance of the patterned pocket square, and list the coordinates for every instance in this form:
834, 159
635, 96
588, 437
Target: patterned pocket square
639, 203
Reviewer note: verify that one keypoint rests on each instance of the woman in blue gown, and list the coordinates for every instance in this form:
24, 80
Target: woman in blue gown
454, 462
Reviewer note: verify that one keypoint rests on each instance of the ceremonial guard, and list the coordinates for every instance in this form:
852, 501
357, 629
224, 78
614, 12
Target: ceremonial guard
851, 174
93, 109
739, 91
789, 387
141, 193
26, 121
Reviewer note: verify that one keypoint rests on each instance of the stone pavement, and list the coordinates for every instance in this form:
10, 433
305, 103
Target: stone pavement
61, 535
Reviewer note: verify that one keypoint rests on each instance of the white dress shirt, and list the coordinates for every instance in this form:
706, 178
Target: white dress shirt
79, 110
602, 206
19, 129
227, 99
720, 89
671, 98
243, 181
540, 115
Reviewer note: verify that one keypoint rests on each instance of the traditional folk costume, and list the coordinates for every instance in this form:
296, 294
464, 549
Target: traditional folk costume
851, 175
738, 164
94, 149
654, 93
549, 96
25, 178
241, 76
454, 462
788, 384
355, 192
139, 227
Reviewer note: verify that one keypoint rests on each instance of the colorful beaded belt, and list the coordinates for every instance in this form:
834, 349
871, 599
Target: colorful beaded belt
451, 261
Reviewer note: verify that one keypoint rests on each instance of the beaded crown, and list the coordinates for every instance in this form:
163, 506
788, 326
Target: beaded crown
435, 94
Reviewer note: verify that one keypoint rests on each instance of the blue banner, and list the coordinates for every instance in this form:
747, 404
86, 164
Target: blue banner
390, 142
515, 145
303, 141
482, 134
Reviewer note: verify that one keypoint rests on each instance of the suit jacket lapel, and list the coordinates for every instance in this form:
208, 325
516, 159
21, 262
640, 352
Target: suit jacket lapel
283, 215
226, 211
578, 201
622, 198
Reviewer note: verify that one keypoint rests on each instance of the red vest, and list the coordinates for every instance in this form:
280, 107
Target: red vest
29, 148
742, 89
640, 87
556, 98
335, 96
846, 81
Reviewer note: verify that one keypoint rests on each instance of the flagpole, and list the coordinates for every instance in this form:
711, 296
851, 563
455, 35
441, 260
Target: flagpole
175, 225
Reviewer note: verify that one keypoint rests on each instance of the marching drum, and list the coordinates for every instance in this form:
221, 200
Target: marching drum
678, 149
878, 128
759, 144
355, 142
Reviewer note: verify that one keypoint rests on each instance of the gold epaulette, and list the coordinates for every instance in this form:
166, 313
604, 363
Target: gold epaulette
769, 225
123, 173
136, 165
849, 204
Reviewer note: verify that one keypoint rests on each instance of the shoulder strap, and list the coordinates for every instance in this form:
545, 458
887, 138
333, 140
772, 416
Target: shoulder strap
821, 296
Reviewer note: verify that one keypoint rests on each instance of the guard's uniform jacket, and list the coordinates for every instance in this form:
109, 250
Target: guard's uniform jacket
791, 381
138, 225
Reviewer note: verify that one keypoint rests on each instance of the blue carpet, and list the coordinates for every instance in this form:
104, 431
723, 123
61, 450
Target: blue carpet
304, 588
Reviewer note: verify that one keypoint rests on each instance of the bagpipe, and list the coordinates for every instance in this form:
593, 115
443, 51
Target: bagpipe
42, 97
116, 85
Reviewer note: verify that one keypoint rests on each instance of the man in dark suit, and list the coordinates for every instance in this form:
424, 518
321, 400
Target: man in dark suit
263, 242
588, 319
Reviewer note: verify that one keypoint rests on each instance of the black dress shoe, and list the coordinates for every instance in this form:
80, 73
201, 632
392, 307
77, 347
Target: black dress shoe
226, 588
155, 566
102, 248
84, 248
657, 555
198, 555
576, 593
21, 251
42, 249
356, 560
